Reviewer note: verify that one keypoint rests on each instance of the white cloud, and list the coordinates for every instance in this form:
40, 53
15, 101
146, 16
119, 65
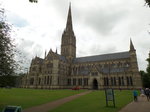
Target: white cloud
100, 26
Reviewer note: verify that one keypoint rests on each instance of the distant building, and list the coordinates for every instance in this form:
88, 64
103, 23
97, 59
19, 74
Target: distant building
65, 70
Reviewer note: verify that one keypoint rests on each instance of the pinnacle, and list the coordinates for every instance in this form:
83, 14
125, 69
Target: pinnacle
131, 45
69, 20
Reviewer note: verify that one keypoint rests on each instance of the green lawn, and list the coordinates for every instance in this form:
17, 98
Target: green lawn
92, 102
30, 97
95, 102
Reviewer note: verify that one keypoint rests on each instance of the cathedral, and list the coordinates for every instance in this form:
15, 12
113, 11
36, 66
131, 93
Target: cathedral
66, 71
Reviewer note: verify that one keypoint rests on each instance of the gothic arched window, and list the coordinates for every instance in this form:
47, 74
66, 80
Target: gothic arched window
122, 80
112, 81
39, 81
127, 81
131, 82
47, 80
119, 81
115, 81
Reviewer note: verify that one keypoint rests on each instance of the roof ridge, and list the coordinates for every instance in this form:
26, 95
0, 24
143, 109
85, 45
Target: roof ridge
103, 54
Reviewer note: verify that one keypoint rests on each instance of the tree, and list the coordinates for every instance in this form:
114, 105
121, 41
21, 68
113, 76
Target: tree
146, 75
147, 2
7, 51
145, 79
33, 1
148, 66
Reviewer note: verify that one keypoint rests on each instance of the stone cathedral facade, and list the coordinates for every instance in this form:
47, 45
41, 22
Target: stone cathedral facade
65, 70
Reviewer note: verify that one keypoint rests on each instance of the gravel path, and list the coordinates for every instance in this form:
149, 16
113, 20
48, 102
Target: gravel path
141, 106
51, 105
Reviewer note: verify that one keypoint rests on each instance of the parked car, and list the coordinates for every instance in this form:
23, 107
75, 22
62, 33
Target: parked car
12, 109
76, 88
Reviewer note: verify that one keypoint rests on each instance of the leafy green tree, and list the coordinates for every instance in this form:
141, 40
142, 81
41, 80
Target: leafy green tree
148, 66
146, 75
145, 79
7, 62
33, 1
147, 2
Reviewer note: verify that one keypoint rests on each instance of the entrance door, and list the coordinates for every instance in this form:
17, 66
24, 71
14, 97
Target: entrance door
95, 84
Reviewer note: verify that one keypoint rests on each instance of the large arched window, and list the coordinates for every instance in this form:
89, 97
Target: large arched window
107, 80
115, 81
112, 81
48, 80
74, 81
85, 81
45, 80
131, 82
69, 82
119, 81
122, 80
104, 81
80, 81
58, 80
39, 81
127, 81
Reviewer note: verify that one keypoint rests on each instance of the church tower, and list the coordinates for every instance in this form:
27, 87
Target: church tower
134, 66
68, 41
133, 57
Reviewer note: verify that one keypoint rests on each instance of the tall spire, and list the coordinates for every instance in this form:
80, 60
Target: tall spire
131, 46
68, 41
69, 20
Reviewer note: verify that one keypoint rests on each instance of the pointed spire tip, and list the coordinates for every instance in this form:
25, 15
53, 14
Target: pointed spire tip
69, 20
131, 45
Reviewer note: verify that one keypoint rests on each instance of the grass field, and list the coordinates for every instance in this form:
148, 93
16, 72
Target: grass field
95, 102
30, 97
92, 102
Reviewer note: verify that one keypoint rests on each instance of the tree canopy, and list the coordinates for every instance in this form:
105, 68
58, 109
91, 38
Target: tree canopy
33, 1
7, 62
146, 75
147, 2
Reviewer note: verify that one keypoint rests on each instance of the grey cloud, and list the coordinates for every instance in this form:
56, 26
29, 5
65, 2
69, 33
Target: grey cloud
25, 43
114, 21
142, 62
38, 50
60, 6
103, 21
96, 50
28, 50
99, 19
101, 50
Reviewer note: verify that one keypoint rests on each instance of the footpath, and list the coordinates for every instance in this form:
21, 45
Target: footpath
51, 105
142, 105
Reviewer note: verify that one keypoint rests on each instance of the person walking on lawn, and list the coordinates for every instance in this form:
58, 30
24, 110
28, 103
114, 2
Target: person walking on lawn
135, 95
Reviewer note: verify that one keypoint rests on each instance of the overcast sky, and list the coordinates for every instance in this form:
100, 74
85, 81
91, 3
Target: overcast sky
101, 27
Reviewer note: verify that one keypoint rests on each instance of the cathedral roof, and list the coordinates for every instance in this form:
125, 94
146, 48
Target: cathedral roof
37, 60
104, 57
